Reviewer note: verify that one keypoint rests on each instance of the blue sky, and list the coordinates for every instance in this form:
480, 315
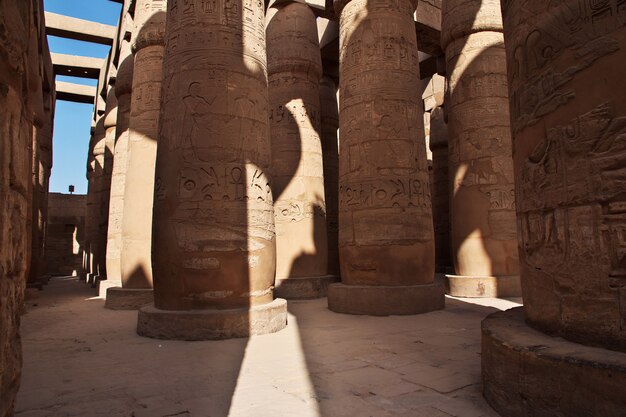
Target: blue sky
72, 121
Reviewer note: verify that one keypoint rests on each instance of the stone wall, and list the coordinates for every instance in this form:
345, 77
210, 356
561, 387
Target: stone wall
25, 88
65, 235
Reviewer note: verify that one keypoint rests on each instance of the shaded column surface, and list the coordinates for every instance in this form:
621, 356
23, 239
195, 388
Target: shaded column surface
482, 200
15, 176
329, 116
136, 266
441, 191
565, 352
94, 202
294, 72
213, 234
123, 88
89, 207
386, 241
110, 123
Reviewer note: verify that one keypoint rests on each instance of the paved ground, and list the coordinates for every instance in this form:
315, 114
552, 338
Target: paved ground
83, 360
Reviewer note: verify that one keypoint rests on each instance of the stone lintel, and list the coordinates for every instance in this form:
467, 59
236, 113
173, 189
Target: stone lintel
76, 93
76, 66
79, 29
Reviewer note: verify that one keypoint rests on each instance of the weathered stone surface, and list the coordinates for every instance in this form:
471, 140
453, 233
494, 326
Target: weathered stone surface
380, 300
329, 116
385, 220
65, 233
294, 72
526, 372
482, 205
305, 288
21, 101
569, 122
143, 130
123, 88
440, 188
212, 324
213, 235
94, 200
118, 298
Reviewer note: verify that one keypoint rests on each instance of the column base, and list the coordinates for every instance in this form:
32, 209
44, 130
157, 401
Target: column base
118, 298
526, 372
304, 288
212, 324
483, 287
92, 279
104, 285
385, 300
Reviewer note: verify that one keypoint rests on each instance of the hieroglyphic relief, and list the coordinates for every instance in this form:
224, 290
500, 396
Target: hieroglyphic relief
294, 71
576, 174
482, 196
214, 218
582, 28
382, 168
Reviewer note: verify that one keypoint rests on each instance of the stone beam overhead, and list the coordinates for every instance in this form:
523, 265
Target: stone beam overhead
79, 29
76, 66
76, 93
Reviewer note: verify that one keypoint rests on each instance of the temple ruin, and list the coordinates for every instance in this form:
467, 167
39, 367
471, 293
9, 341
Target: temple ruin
317, 208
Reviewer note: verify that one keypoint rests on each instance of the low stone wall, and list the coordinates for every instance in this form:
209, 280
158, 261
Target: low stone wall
65, 235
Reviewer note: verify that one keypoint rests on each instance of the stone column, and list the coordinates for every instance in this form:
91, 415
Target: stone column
482, 200
148, 45
564, 352
123, 88
94, 202
441, 191
294, 72
329, 116
89, 207
213, 235
386, 243
110, 123
15, 176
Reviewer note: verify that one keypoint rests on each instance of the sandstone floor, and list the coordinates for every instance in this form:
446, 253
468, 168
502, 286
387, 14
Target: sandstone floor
83, 360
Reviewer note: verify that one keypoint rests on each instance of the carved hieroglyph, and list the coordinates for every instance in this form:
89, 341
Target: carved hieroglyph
329, 116
148, 49
123, 88
386, 242
294, 72
566, 77
385, 221
483, 232
213, 234
441, 191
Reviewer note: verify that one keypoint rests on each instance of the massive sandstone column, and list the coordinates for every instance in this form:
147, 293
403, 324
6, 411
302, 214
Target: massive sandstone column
123, 88
148, 46
482, 201
94, 201
566, 63
213, 235
329, 117
15, 175
110, 123
441, 191
386, 240
294, 72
